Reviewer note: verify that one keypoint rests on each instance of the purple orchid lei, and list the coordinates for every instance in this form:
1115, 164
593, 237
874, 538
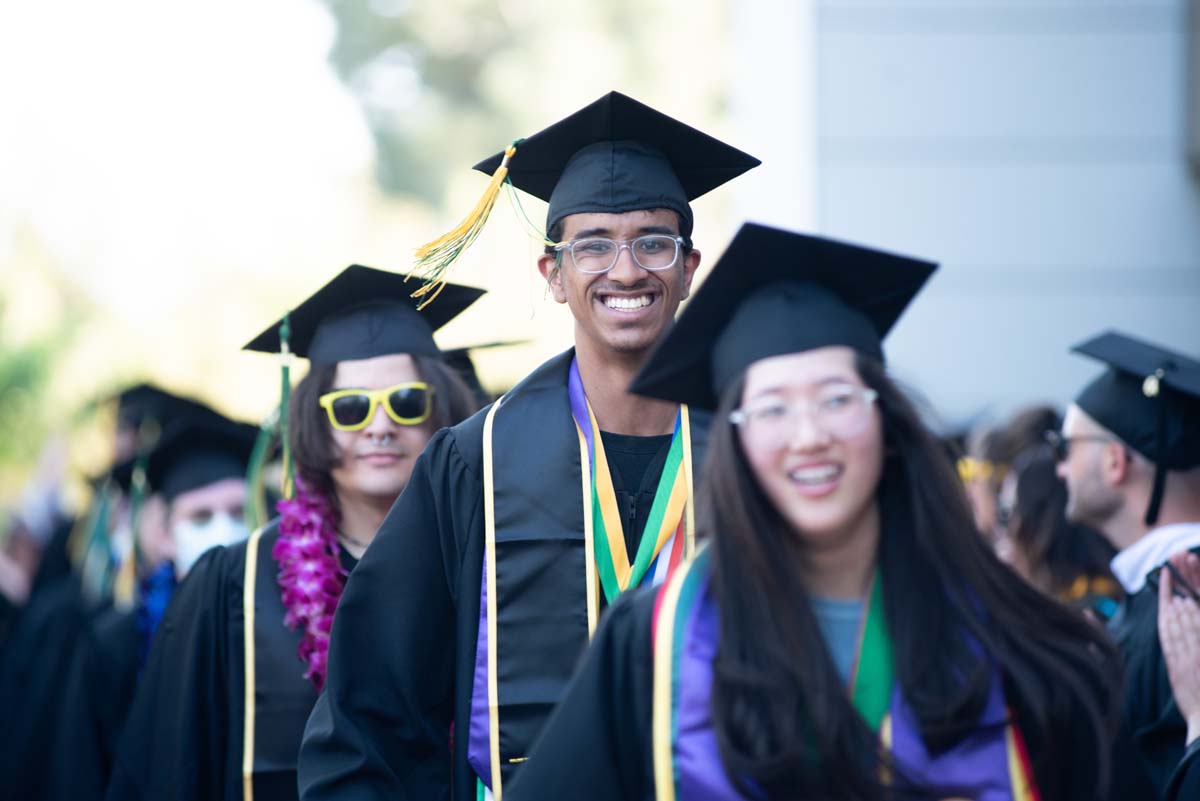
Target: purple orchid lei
310, 575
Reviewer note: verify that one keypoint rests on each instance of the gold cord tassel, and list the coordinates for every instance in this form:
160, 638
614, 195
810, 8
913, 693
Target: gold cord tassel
434, 259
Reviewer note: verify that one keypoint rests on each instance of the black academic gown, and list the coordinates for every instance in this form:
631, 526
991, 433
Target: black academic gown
403, 649
38, 656
1151, 715
96, 695
189, 733
596, 749
1185, 781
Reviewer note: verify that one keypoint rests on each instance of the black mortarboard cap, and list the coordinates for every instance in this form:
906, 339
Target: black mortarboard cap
1149, 397
363, 313
193, 455
144, 401
619, 155
774, 292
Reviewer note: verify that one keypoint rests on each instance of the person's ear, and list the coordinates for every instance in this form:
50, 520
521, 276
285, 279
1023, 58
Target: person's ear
550, 266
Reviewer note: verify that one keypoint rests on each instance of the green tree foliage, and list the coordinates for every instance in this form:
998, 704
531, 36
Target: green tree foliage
420, 74
24, 371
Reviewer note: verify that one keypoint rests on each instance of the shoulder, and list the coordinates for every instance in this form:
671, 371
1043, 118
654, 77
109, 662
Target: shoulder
461, 443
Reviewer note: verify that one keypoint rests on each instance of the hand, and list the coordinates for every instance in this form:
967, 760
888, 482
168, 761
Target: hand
1179, 633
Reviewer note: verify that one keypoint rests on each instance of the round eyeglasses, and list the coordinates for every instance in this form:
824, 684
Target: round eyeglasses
596, 254
840, 410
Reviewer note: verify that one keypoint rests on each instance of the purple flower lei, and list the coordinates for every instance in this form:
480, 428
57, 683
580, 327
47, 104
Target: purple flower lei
310, 575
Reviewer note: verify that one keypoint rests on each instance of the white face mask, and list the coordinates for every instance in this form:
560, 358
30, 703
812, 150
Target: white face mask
193, 539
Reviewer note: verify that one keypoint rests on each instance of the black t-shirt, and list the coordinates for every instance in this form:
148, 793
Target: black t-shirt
636, 465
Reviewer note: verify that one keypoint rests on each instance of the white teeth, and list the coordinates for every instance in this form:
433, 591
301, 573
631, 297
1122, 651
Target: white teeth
815, 475
627, 304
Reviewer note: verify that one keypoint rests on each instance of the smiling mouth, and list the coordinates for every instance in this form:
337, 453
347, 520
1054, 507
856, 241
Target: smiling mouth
627, 303
818, 477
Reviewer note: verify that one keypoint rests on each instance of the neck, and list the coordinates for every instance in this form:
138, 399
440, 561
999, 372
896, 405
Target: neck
844, 567
1180, 504
361, 517
606, 375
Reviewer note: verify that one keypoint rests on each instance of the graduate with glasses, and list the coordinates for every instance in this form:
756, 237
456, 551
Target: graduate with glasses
460, 629
844, 634
240, 656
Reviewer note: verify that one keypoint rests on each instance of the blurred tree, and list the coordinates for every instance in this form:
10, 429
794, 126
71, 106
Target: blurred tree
418, 71
24, 370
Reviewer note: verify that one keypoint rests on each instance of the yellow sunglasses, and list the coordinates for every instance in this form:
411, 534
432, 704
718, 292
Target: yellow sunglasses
354, 409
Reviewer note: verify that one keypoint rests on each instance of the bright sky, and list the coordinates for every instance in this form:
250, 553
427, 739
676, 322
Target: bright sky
145, 141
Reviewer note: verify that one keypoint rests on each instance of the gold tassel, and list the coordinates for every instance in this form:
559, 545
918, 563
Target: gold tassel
434, 259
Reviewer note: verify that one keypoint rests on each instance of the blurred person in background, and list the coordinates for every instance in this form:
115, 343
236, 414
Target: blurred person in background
1064, 559
196, 473
1129, 452
240, 657
1179, 633
991, 449
76, 581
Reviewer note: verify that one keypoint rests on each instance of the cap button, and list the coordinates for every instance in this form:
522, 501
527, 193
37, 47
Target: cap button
1150, 387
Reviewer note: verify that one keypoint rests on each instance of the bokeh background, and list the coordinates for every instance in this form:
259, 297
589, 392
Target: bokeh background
173, 176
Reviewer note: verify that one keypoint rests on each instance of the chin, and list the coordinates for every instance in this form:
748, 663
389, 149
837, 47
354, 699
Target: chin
382, 486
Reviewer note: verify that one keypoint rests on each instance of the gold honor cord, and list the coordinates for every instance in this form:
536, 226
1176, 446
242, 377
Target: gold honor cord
589, 536
489, 529
248, 589
689, 530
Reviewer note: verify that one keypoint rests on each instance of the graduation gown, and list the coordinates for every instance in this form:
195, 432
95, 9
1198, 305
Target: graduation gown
395, 719
1185, 781
191, 733
39, 652
597, 749
96, 695
1151, 715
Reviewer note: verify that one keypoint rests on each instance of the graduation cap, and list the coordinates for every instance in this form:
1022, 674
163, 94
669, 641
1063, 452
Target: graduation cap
774, 292
360, 314
1149, 397
363, 313
614, 155
193, 455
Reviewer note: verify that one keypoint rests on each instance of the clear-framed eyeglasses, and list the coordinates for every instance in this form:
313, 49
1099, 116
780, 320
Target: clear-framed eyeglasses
840, 410
597, 254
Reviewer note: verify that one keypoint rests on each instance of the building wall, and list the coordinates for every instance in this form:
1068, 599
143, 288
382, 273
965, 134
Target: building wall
1037, 149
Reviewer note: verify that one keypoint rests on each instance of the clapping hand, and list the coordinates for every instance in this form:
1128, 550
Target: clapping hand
1179, 633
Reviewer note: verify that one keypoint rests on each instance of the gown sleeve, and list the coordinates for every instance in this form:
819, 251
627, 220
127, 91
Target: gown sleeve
381, 728
174, 743
597, 742
1185, 781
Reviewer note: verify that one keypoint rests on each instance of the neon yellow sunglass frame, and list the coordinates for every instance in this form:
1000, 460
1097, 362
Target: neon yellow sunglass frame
375, 397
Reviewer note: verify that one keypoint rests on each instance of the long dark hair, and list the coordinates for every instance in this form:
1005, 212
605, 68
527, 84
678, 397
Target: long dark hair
313, 450
1058, 550
783, 721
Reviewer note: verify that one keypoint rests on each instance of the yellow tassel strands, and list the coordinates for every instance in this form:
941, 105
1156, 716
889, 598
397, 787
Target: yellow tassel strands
433, 260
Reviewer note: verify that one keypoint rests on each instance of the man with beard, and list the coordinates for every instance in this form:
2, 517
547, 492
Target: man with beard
1129, 452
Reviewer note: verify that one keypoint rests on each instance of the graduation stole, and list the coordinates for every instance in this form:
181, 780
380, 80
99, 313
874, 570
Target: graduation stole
540, 585
990, 764
669, 527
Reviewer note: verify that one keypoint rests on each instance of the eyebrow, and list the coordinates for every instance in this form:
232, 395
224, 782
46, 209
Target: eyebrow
645, 229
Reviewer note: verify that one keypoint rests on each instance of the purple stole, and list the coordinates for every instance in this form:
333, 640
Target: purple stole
990, 764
